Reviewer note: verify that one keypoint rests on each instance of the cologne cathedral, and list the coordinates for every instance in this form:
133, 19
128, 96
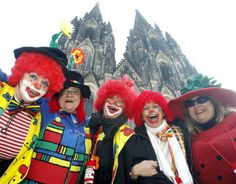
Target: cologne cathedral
154, 61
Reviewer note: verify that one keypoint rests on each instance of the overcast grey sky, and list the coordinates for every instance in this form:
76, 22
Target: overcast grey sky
204, 29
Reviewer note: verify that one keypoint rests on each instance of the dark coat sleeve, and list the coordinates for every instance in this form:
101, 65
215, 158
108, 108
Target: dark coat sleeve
135, 152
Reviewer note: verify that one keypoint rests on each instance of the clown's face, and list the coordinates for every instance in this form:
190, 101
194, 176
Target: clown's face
113, 107
31, 87
152, 114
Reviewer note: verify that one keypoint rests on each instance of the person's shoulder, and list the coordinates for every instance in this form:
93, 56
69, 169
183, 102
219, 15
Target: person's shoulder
179, 123
231, 114
3, 76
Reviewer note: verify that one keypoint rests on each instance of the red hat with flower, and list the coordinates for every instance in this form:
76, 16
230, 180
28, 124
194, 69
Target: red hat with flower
123, 87
145, 97
202, 86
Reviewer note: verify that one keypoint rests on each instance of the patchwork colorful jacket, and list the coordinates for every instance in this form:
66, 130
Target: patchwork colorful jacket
61, 151
18, 169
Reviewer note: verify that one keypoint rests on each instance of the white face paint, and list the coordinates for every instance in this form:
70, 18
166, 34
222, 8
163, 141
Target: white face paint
152, 114
113, 107
31, 87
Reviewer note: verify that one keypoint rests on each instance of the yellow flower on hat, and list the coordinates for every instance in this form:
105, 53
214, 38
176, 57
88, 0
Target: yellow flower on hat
67, 28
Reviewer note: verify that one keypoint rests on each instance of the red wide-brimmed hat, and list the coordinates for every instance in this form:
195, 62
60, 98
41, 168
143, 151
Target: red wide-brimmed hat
225, 96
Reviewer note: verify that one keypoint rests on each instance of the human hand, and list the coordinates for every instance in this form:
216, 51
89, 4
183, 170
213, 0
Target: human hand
144, 168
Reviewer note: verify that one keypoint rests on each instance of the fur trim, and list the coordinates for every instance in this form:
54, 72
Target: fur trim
124, 88
41, 64
147, 96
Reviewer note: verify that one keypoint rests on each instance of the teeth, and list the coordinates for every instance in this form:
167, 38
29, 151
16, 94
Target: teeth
32, 91
69, 101
152, 116
200, 111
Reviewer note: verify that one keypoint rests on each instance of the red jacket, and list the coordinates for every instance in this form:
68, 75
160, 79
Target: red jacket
214, 150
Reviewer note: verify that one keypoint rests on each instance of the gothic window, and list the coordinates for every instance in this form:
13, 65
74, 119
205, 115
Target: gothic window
166, 72
88, 60
154, 44
90, 34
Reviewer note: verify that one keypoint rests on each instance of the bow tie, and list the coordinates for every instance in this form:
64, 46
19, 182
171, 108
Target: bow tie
64, 114
14, 107
164, 134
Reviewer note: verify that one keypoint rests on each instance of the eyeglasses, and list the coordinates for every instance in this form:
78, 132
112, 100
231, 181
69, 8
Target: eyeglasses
67, 92
199, 100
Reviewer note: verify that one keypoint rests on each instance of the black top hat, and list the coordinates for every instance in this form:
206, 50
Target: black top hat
75, 79
54, 53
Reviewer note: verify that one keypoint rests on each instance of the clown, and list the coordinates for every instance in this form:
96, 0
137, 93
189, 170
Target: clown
38, 72
115, 146
63, 136
166, 140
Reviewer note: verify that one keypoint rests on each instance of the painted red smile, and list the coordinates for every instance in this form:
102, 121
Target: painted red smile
32, 93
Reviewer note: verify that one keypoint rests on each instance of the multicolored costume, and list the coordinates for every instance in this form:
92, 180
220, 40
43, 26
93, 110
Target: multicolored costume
64, 142
61, 150
20, 165
34, 70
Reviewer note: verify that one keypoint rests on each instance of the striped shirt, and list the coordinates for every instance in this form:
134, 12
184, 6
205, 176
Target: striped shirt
13, 132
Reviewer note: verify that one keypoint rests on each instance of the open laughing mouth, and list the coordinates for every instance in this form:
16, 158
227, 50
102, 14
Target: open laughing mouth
69, 101
32, 93
112, 109
152, 118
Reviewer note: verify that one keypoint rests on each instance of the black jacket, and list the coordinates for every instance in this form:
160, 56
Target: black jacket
132, 153
141, 132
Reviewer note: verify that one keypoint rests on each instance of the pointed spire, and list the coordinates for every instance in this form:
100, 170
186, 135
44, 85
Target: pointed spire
95, 12
157, 28
140, 22
169, 38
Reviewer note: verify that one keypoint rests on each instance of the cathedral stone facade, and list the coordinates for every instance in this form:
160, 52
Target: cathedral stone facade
152, 60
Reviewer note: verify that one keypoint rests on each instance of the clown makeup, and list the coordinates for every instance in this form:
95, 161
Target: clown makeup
31, 87
113, 107
152, 114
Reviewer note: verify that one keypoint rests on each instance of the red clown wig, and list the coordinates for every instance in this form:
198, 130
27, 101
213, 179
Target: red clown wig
45, 66
124, 88
55, 107
145, 97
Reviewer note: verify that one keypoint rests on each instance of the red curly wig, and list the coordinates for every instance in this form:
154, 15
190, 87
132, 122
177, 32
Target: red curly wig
41, 64
147, 96
55, 107
124, 88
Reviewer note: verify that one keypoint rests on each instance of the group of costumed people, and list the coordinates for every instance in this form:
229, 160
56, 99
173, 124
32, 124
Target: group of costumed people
46, 137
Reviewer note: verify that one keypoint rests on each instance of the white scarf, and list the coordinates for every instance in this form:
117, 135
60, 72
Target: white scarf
163, 156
